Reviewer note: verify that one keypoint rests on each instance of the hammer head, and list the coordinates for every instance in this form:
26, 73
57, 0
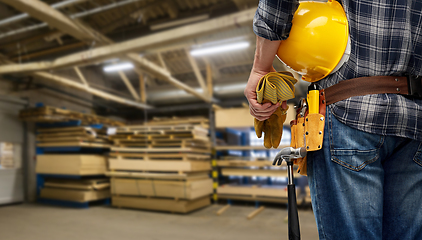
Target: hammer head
288, 154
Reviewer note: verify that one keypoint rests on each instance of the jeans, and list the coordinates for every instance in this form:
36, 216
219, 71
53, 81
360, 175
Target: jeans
366, 186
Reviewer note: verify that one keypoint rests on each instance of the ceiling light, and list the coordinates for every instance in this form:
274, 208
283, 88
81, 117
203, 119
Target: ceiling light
118, 67
219, 49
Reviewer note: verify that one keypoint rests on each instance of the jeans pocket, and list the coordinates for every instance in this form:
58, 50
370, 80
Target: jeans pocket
352, 148
354, 160
418, 156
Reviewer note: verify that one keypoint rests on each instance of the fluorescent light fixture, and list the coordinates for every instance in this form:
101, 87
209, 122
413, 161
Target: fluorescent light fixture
118, 67
219, 49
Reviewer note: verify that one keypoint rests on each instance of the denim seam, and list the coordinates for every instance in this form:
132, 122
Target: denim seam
357, 169
415, 159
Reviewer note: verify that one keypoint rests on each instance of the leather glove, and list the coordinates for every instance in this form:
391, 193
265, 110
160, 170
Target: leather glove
274, 87
272, 128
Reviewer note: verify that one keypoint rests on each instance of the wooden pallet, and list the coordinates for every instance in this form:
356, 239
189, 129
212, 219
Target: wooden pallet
160, 204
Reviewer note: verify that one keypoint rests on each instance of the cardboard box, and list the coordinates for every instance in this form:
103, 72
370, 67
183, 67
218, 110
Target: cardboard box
191, 189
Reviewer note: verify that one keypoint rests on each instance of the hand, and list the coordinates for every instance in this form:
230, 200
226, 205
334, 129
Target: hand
260, 111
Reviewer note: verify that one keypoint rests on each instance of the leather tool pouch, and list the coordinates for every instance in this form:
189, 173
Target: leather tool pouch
308, 131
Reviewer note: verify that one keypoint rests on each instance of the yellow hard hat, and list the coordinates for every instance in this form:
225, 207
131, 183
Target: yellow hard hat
318, 43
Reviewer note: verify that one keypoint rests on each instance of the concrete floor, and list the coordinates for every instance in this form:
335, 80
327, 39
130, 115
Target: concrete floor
43, 222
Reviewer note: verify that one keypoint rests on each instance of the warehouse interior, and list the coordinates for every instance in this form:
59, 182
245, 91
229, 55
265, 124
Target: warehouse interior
127, 119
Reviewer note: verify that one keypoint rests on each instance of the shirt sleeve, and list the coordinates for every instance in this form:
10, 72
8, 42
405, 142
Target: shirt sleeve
273, 18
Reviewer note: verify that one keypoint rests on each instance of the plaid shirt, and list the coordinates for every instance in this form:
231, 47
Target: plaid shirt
386, 39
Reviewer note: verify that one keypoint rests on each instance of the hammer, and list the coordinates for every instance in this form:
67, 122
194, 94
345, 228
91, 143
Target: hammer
288, 154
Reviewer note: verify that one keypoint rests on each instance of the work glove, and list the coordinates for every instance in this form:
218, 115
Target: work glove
274, 87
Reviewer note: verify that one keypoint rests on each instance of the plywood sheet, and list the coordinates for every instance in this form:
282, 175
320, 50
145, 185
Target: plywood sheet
74, 195
164, 165
191, 189
71, 164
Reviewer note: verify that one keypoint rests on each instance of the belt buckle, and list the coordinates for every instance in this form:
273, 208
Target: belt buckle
414, 84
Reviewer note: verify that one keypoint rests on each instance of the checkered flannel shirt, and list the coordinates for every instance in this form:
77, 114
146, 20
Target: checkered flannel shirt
386, 39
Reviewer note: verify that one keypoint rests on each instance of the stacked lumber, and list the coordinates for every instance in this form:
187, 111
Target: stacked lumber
71, 172
52, 114
253, 167
76, 190
162, 167
79, 136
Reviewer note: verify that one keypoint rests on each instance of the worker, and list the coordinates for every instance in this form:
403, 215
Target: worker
366, 181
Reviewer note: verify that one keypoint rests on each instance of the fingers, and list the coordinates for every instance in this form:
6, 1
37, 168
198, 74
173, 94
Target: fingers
284, 105
262, 111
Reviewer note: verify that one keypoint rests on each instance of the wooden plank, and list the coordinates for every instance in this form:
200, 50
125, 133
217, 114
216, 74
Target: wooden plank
161, 156
236, 147
222, 210
253, 172
160, 204
252, 198
163, 165
253, 190
71, 164
159, 150
81, 184
73, 144
148, 175
255, 212
74, 195
244, 163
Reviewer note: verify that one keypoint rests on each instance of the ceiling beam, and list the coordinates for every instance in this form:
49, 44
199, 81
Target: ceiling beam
55, 19
93, 91
81, 76
197, 72
73, 84
138, 44
67, 23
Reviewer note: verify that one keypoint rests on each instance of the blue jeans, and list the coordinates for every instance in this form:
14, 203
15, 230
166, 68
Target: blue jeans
366, 186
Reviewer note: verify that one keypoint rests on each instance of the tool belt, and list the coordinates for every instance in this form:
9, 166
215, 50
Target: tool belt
307, 130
